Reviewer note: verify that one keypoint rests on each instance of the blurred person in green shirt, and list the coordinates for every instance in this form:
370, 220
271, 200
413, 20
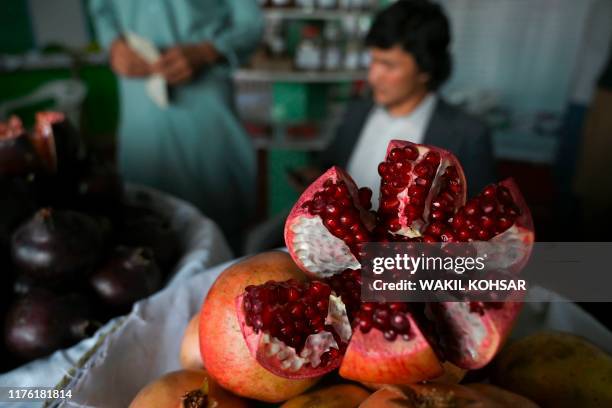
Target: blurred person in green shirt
195, 148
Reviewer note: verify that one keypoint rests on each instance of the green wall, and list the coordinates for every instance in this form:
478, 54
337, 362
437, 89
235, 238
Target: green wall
15, 29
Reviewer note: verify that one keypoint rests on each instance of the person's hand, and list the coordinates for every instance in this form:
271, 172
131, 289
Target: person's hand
180, 64
126, 62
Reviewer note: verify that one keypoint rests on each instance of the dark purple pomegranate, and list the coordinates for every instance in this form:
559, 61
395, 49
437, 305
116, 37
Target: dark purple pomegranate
41, 322
129, 275
56, 247
144, 228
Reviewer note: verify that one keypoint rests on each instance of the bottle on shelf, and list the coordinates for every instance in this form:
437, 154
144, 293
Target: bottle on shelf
332, 52
309, 55
306, 4
327, 4
281, 3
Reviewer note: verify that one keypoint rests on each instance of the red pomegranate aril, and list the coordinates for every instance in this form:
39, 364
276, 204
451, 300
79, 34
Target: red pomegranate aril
512, 211
359, 238
332, 210
437, 215
433, 159
399, 322
447, 236
422, 170
417, 201
396, 155
394, 225
397, 306
365, 324
411, 153
332, 224
487, 221
463, 235
297, 310
503, 224
416, 190
472, 208
487, 206
383, 169
435, 228
293, 293
348, 218
316, 321
489, 192
483, 235
458, 221
389, 204
287, 331
368, 307
381, 318
390, 335
322, 305
429, 239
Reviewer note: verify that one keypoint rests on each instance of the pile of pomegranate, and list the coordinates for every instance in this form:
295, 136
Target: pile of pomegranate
72, 254
276, 321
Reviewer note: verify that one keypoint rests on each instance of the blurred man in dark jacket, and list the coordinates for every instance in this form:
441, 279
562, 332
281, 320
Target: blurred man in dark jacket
410, 60
409, 44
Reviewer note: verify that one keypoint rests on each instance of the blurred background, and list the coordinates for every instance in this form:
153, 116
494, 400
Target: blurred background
531, 68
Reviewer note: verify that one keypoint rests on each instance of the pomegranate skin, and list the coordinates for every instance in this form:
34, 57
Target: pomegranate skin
446, 395
224, 351
372, 359
16, 153
55, 247
190, 356
167, 391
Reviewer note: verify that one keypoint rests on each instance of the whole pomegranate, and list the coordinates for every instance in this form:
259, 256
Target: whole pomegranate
304, 329
224, 352
185, 389
128, 275
41, 322
55, 247
189, 355
446, 396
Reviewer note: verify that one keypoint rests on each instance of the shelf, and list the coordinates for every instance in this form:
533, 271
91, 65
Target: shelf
315, 14
279, 139
297, 76
36, 61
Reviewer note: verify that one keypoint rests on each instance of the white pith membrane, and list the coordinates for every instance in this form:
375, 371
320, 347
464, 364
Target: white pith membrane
454, 321
318, 249
316, 344
463, 324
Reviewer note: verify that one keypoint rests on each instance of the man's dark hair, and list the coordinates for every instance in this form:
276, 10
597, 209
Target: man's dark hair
421, 28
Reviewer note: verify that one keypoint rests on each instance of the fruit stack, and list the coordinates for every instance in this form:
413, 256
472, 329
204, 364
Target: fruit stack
72, 254
291, 328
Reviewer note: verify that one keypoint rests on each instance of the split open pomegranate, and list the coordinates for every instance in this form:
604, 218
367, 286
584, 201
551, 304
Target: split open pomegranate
16, 153
305, 329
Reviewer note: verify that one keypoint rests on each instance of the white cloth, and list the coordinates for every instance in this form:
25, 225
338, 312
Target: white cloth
379, 130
